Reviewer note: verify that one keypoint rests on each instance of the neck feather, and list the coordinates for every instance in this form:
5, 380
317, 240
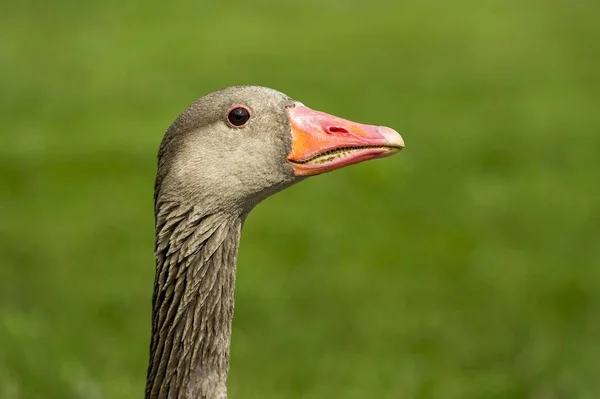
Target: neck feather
193, 302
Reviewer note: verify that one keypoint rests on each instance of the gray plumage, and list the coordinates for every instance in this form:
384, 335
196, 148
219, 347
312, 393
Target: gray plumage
209, 177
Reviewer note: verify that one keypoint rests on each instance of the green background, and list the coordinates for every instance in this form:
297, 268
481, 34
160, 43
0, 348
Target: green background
467, 266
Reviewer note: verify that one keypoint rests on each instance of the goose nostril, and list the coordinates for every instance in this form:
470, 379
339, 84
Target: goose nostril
336, 129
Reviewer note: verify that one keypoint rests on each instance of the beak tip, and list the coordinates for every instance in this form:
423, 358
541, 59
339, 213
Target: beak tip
392, 136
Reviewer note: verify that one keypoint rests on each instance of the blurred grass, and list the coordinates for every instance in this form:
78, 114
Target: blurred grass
466, 267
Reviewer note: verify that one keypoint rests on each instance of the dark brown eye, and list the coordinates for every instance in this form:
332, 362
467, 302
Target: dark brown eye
238, 116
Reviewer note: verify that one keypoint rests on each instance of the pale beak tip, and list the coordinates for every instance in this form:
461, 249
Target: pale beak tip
392, 136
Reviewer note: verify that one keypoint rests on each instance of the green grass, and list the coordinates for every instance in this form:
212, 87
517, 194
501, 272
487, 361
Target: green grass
467, 266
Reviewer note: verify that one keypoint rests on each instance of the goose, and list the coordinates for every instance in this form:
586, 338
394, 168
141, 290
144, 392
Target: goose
224, 154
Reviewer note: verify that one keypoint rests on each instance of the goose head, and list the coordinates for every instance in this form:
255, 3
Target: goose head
234, 147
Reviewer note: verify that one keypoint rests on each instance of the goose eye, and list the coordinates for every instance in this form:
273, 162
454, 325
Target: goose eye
238, 116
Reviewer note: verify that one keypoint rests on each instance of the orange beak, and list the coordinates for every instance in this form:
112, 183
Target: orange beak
322, 142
